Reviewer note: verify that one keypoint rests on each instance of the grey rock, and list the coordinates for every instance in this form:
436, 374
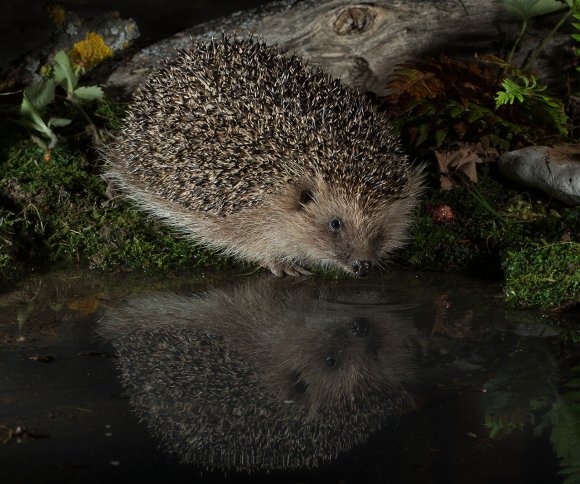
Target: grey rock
116, 32
554, 170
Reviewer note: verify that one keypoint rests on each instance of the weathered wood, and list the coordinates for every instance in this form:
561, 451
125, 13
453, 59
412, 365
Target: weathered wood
357, 41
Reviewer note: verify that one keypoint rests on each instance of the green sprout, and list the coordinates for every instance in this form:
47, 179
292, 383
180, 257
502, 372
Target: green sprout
576, 25
34, 99
525, 89
526, 10
39, 95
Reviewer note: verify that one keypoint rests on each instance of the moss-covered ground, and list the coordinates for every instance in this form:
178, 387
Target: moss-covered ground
529, 241
56, 209
543, 275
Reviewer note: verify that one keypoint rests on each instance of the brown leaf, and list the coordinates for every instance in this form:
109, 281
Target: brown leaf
460, 129
446, 183
486, 153
419, 85
459, 162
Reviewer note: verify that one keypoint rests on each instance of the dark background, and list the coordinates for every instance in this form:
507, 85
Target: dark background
24, 23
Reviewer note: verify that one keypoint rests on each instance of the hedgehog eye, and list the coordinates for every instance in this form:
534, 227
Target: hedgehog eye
306, 197
335, 224
330, 361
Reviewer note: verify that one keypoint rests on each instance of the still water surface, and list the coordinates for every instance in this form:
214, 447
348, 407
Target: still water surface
403, 377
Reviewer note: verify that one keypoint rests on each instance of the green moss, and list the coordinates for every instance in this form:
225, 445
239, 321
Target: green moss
543, 275
472, 241
491, 235
56, 210
483, 229
7, 261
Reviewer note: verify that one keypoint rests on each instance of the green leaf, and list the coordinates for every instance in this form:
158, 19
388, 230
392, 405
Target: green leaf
455, 108
63, 72
576, 37
440, 136
58, 122
41, 93
526, 9
475, 112
30, 116
513, 90
550, 101
423, 131
574, 383
502, 98
32, 120
88, 93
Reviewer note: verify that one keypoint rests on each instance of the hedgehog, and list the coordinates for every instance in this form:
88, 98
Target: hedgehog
261, 376
252, 152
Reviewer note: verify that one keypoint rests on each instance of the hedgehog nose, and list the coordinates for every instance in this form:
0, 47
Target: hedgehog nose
361, 267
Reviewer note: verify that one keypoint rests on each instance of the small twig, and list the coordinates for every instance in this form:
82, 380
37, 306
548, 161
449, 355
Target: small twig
517, 41
545, 40
93, 132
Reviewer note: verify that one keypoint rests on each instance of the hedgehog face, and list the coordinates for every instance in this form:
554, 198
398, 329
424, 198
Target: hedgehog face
337, 363
336, 228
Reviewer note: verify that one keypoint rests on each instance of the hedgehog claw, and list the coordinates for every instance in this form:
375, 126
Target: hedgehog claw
281, 270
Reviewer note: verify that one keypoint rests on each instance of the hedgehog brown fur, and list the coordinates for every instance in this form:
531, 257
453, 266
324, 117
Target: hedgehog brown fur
255, 153
261, 376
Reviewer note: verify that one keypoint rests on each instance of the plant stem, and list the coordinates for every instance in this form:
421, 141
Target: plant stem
545, 40
476, 194
518, 39
90, 125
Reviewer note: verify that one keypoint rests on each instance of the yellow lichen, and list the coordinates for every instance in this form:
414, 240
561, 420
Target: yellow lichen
57, 14
90, 52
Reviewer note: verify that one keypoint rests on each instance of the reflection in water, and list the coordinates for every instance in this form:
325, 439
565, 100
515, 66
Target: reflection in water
264, 375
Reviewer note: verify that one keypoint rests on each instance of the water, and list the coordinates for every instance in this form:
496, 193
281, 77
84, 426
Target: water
403, 377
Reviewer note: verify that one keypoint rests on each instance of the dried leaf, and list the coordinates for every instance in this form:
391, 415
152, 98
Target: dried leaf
446, 183
460, 130
459, 162
484, 151
415, 83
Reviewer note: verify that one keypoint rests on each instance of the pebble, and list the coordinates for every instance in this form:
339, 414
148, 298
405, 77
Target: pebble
554, 170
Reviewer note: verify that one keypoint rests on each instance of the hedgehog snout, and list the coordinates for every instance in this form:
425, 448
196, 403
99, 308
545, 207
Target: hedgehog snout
361, 268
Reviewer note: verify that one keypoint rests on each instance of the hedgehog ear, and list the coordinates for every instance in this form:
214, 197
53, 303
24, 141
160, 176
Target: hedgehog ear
305, 197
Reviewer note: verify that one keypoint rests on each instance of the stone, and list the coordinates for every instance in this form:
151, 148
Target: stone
554, 170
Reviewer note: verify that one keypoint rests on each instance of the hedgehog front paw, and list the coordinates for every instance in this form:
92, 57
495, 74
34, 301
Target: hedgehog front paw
281, 270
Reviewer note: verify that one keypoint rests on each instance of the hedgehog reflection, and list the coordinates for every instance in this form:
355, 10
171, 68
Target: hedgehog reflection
260, 376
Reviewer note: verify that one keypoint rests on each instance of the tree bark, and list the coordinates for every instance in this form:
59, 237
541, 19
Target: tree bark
361, 42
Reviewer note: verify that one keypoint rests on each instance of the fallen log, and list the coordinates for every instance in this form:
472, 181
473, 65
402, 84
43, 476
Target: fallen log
361, 42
